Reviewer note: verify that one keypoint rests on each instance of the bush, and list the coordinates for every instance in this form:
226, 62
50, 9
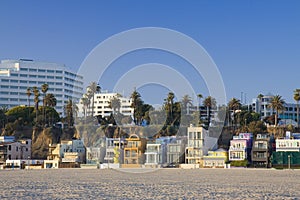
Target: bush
242, 163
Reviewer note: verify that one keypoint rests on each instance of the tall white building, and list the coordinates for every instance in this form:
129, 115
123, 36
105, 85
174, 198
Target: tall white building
17, 75
101, 105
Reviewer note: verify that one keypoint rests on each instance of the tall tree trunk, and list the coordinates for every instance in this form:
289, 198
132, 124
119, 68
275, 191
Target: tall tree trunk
297, 114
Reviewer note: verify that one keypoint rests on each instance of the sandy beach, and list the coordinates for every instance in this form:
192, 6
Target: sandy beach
160, 184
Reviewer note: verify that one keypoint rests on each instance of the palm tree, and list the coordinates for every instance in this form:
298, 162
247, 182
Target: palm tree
169, 104
86, 102
28, 93
44, 88
51, 101
277, 103
209, 102
70, 110
199, 96
234, 104
297, 99
136, 103
115, 104
36, 100
93, 88
186, 100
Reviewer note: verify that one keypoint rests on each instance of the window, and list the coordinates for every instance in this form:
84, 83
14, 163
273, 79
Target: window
58, 71
42, 70
14, 81
22, 81
32, 70
32, 82
40, 76
50, 71
14, 87
24, 69
50, 77
58, 77
4, 86
9, 147
32, 76
14, 93
15, 75
4, 80
23, 75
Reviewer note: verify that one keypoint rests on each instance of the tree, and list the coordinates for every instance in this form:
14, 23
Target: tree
50, 101
277, 103
186, 100
93, 88
115, 104
44, 88
36, 101
70, 110
28, 93
234, 104
85, 102
297, 99
209, 102
136, 103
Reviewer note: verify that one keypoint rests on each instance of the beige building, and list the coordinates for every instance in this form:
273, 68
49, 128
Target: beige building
15, 150
67, 151
195, 149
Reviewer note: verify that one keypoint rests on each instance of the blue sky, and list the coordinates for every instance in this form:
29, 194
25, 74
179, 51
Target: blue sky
255, 44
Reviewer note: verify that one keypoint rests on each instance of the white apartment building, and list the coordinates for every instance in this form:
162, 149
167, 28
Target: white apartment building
262, 106
17, 75
101, 105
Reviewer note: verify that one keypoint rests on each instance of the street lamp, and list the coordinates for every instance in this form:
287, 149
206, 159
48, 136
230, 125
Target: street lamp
28, 162
289, 161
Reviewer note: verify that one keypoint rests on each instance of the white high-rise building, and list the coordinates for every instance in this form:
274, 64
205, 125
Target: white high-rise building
101, 105
17, 75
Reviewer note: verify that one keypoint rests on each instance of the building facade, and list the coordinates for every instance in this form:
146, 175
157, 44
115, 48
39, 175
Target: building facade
102, 107
195, 149
18, 75
134, 151
67, 151
215, 159
15, 150
287, 153
261, 151
240, 147
262, 106
114, 153
176, 151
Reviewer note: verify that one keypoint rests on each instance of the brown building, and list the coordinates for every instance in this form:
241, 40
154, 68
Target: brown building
261, 151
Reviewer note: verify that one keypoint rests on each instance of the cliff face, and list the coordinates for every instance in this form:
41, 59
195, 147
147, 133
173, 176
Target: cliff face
42, 138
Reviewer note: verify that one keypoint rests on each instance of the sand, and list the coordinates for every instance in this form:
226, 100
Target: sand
160, 184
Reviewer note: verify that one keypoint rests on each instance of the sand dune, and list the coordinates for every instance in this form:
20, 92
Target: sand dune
160, 184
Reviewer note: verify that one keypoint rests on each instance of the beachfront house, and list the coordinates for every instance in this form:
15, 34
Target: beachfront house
195, 149
114, 151
134, 150
287, 153
176, 151
14, 150
68, 153
240, 147
215, 159
261, 150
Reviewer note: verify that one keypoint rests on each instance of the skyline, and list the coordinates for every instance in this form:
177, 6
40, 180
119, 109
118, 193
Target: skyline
259, 40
